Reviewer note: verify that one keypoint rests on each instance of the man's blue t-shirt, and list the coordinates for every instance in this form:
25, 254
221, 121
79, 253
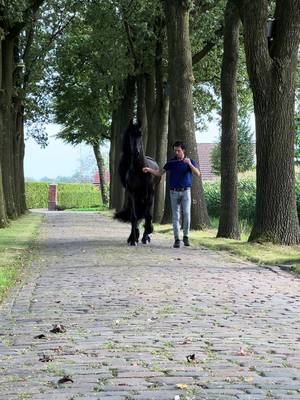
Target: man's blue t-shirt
180, 173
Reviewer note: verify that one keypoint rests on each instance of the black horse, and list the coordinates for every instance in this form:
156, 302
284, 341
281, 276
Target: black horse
139, 186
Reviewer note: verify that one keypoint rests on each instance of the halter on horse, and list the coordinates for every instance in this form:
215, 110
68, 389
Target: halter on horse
139, 186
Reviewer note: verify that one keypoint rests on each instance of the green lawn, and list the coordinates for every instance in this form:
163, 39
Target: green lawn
265, 254
15, 245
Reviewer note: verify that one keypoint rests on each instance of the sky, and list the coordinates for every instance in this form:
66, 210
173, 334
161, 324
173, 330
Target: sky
60, 159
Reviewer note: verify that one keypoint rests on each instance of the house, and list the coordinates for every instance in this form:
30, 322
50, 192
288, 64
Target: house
204, 153
96, 180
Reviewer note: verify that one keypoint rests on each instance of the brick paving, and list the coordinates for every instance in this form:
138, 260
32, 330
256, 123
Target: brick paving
146, 322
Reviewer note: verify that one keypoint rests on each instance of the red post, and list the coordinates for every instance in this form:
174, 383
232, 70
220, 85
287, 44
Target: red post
52, 197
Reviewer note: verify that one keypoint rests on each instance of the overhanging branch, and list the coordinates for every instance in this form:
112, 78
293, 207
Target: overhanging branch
206, 49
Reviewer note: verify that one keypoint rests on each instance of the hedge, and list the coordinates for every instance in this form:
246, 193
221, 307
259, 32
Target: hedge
36, 194
69, 195
85, 195
246, 198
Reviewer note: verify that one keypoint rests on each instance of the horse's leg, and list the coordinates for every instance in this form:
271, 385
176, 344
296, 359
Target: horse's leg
134, 235
148, 219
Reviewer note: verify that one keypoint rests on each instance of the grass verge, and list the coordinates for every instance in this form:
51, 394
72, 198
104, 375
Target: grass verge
263, 254
98, 208
15, 244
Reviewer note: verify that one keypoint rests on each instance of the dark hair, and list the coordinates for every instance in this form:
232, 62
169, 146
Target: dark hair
178, 143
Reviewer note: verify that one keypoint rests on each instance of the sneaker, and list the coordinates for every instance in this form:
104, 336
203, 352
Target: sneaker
186, 241
176, 244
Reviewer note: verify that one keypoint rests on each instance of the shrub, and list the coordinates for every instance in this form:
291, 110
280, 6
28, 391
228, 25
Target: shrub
36, 194
246, 198
75, 195
69, 195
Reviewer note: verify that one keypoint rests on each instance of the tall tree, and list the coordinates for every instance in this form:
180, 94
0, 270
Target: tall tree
228, 222
181, 80
271, 67
14, 18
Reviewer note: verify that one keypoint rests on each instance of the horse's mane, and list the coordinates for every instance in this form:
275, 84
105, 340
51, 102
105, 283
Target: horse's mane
125, 159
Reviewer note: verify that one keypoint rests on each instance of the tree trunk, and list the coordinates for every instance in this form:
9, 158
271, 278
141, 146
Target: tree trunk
271, 70
150, 108
3, 214
112, 159
21, 177
161, 157
167, 215
101, 170
141, 107
229, 220
7, 143
181, 106
162, 118
16, 138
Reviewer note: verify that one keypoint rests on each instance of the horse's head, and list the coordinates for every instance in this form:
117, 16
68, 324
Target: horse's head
134, 132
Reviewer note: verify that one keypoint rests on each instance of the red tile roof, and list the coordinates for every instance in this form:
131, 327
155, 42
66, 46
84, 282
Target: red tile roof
204, 153
96, 179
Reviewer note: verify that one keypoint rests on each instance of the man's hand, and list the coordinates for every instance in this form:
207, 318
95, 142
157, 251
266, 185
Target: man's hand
187, 161
194, 169
155, 172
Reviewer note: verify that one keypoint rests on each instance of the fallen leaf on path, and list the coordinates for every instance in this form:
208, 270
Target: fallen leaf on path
182, 386
40, 336
190, 357
58, 328
45, 358
248, 379
65, 379
242, 352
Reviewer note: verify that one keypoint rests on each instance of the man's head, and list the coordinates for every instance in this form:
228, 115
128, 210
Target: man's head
179, 149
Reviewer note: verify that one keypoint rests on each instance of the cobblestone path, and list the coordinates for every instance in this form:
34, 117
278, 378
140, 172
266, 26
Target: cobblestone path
146, 322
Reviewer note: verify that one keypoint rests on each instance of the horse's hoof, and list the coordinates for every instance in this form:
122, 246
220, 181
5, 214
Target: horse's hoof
146, 239
133, 244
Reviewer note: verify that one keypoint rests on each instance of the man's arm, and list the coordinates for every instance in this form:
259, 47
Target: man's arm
156, 172
194, 169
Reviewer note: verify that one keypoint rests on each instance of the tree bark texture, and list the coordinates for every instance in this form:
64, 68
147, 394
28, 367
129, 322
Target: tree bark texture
162, 119
150, 108
271, 70
167, 215
3, 213
141, 107
112, 160
101, 170
7, 142
181, 80
229, 221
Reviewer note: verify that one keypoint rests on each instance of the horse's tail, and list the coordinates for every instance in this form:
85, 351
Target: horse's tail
123, 215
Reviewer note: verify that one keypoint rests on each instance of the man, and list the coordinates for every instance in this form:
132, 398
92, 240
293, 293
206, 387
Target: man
181, 170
